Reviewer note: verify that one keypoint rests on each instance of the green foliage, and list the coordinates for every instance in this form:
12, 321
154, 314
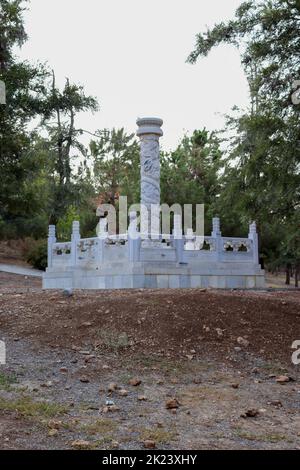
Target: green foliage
261, 177
64, 224
24, 93
116, 166
36, 254
191, 174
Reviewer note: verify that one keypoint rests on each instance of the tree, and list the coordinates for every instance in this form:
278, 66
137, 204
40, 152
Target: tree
116, 166
24, 92
64, 137
261, 180
191, 173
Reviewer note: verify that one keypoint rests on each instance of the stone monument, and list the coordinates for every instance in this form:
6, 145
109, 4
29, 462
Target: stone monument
149, 131
146, 258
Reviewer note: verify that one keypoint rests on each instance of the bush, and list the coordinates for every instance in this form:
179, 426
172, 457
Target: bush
36, 254
64, 224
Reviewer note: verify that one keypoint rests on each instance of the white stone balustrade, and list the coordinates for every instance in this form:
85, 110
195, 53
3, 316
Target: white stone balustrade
95, 250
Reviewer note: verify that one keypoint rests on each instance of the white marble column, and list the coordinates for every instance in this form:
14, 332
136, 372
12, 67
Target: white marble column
51, 241
149, 131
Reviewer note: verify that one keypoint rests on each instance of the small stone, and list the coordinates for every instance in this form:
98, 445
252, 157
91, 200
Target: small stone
112, 387
110, 409
250, 413
52, 432
142, 398
47, 384
86, 323
63, 370
85, 353
68, 292
235, 386
135, 382
123, 392
84, 380
242, 341
276, 403
237, 349
190, 357
109, 402
282, 379
172, 404
54, 424
89, 358
219, 332
80, 444
149, 444
115, 445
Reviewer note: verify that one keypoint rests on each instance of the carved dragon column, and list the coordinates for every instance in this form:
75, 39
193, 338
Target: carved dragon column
149, 131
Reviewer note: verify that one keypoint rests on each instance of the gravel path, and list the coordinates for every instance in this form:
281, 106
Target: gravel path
15, 269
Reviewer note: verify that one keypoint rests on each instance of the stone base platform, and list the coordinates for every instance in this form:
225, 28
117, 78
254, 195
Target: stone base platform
139, 275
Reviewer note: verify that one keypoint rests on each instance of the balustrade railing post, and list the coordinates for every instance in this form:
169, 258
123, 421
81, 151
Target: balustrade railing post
254, 237
134, 239
217, 235
51, 241
74, 240
178, 238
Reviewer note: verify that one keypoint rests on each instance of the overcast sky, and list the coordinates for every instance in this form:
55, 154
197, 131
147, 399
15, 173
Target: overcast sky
131, 55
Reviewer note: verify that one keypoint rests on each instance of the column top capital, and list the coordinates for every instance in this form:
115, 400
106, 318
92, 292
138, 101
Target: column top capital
149, 125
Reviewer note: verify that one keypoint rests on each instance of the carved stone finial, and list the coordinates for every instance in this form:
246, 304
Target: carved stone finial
216, 231
51, 231
149, 125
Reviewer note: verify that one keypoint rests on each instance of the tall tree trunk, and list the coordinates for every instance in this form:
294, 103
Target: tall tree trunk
288, 274
60, 158
297, 275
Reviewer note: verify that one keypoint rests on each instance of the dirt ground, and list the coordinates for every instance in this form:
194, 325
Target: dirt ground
13, 252
214, 355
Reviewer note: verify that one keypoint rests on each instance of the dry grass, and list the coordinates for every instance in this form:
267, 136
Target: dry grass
6, 381
159, 435
100, 426
29, 408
